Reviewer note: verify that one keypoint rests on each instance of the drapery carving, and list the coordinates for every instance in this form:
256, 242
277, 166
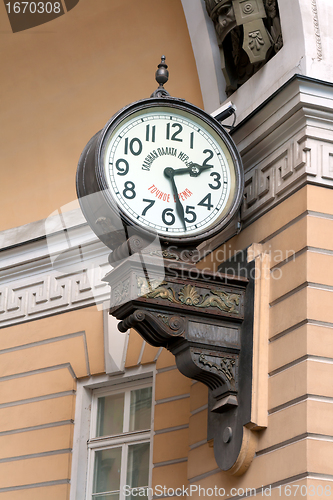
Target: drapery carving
248, 34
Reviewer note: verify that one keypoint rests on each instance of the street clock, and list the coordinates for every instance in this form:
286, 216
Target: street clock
166, 168
163, 167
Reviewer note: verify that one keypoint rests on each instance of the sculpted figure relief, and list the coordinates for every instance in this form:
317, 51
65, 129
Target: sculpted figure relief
248, 34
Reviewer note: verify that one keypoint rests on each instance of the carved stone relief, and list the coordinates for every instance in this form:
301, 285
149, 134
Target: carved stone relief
248, 34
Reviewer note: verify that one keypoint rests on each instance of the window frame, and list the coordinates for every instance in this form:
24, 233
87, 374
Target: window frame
124, 439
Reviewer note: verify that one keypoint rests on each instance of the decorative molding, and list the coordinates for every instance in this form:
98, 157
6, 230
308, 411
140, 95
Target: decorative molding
248, 35
50, 294
286, 144
41, 228
188, 295
121, 292
226, 366
302, 160
50, 266
317, 30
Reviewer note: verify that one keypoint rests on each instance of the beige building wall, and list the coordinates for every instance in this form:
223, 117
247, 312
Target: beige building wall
296, 446
62, 82
40, 363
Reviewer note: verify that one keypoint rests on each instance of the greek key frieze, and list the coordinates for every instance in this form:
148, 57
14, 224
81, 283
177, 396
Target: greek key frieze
275, 177
43, 296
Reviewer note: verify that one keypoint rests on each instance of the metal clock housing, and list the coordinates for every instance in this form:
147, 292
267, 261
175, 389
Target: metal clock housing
160, 166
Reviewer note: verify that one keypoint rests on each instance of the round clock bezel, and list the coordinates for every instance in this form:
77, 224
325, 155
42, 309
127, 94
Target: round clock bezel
211, 124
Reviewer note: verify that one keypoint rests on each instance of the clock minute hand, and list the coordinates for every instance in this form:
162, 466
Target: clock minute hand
169, 173
179, 206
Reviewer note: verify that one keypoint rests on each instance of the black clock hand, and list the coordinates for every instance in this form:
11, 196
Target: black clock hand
169, 173
194, 170
179, 206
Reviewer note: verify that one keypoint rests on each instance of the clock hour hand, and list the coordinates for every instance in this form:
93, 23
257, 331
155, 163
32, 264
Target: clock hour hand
169, 173
196, 169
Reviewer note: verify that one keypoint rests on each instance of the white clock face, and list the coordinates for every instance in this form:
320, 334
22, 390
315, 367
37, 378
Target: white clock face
169, 172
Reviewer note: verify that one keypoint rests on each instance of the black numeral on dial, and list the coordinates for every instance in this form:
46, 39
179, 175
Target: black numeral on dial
168, 217
206, 202
135, 146
191, 140
189, 211
122, 166
209, 157
153, 132
129, 192
217, 178
150, 204
174, 135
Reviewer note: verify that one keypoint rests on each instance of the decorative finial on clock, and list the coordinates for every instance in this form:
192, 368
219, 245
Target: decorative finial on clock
161, 76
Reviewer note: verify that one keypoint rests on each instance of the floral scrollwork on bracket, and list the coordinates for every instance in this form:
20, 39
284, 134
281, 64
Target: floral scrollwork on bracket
226, 366
189, 296
121, 292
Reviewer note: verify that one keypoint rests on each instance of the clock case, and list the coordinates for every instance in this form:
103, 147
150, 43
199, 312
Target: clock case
101, 210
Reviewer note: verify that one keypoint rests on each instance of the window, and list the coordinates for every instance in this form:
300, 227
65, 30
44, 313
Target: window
119, 444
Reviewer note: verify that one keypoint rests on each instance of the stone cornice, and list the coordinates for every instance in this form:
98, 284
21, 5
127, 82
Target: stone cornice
51, 266
285, 144
41, 228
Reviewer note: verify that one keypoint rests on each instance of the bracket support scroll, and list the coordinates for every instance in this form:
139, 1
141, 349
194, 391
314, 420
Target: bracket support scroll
206, 321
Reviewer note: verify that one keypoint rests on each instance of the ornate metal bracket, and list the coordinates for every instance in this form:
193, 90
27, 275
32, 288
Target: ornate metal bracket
206, 321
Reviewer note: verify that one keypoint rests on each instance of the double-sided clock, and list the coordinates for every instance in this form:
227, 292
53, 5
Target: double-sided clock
163, 167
